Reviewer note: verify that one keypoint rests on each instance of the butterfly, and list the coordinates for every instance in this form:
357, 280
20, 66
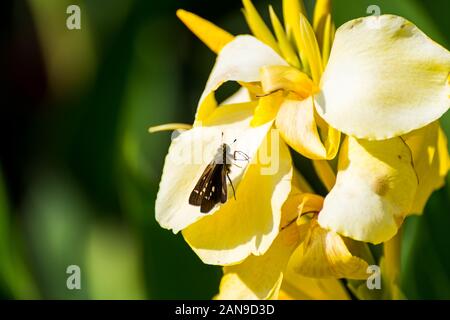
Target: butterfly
211, 188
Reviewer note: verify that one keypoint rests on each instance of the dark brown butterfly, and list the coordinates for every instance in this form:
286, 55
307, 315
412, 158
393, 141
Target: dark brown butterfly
211, 188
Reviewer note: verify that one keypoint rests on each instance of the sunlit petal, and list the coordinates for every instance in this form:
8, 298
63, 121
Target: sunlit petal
260, 277
374, 190
430, 158
192, 151
211, 35
240, 60
249, 224
297, 123
258, 26
384, 78
324, 254
298, 287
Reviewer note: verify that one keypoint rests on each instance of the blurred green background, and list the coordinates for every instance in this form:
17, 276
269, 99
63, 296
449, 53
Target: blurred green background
79, 172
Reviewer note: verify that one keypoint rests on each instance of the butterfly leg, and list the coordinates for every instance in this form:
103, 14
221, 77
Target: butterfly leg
232, 187
245, 157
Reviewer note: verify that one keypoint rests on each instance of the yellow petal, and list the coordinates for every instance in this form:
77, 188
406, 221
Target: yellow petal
324, 254
249, 224
328, 38
169, 127
301, 199
257, 25
384, 78
267, 108
297, 287
284, 44
207, 106
192, 151
240, 60
287, 78
325, 173
374, 190
211, 35
296, 121
260, 277
297, 204
291, 12
309, 47
310, 203
430, 154
299, 182
322, 11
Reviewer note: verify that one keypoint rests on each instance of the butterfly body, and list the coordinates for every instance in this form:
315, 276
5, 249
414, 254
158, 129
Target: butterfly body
211, 188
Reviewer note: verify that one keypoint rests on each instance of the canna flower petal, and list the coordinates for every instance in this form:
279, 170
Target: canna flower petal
291, 13
328, 38
384, 78
297, 287
249, 224
275, 78
170, 127
431, 162
305, 132
267, 108
322, 11
240, 60
325, 173
296, 119
260, 277
307, 45
374, 190
257, 25
192, 151
211, 35
248, 280
324, 254
286, 48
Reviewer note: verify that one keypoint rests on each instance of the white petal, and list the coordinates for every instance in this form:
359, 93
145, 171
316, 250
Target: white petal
384, 78
193, 150
249, 224
240, 60
374, 190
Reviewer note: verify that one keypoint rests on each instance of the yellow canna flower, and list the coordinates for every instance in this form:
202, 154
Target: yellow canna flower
382, 76
377, 83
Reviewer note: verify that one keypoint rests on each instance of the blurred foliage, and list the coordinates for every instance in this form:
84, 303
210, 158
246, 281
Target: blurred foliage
80, 171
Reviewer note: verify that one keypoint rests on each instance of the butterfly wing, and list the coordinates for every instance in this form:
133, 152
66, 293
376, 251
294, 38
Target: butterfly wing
223, 189
212, 189
198, 192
